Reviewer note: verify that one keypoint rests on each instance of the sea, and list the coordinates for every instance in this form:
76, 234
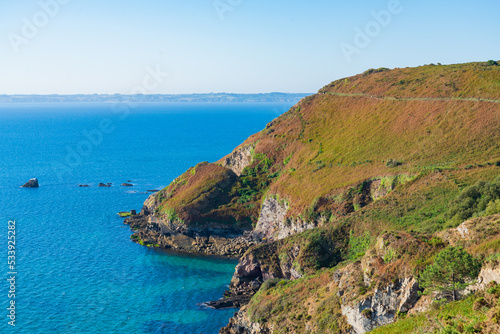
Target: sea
66, 258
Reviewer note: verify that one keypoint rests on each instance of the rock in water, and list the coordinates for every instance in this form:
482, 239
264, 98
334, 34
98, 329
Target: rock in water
33, 183
105, 185
127, 185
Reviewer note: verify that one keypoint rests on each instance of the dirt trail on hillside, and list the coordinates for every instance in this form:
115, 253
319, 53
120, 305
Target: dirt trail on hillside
415, 98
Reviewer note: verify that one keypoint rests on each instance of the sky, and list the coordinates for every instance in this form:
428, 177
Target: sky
233, 46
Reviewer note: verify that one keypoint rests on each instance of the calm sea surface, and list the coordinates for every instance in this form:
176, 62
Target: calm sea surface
76, 269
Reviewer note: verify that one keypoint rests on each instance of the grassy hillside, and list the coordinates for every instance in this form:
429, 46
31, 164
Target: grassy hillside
355, 129
428, 138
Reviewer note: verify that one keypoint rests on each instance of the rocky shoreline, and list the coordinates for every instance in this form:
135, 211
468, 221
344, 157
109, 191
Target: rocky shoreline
151, 230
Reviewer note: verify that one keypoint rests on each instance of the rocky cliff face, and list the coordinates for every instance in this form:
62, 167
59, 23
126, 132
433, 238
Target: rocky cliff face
489, 273
273, 224
382, 307
241, 324
153, 231
239, 159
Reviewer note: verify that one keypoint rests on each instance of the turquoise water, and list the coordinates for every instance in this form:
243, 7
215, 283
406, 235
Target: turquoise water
77, 270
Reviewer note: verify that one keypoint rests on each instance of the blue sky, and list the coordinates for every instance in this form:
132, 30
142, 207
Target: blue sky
241, 46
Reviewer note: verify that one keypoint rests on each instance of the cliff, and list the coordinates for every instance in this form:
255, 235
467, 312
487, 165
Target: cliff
336, 207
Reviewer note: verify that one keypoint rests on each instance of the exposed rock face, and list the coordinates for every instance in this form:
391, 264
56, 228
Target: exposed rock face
472, 230
381, 308
252, 271
241, 324
247, 277
212, 240
239, 159
33, 183
489, 273
272, 224
377, 190
378, 305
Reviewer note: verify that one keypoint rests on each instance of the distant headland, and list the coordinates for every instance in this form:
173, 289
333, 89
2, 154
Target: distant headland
157, 98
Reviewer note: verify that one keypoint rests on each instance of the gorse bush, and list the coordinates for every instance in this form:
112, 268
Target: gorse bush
475, 201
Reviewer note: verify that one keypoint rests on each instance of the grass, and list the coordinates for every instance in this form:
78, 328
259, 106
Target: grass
341, 137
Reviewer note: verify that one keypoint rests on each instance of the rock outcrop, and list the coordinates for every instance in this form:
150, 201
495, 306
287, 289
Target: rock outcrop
252, 271
241, 324
212, 240
489, 273
273, 224
472, 231
382, 307
239, 159
33, 183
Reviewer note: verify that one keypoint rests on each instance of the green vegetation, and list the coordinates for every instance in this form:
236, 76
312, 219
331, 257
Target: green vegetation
477, 200
453, 270
358, 245
124, 214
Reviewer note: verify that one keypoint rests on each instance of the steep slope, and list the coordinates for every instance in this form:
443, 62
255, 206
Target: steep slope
322, 198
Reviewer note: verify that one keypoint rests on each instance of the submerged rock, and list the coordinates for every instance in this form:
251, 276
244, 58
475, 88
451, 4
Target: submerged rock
105, 185
33, 183
127, 185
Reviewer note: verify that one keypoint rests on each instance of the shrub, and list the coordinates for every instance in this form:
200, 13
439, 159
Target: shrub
358, 245
287, 160
493, 207
391, 163
491, 63
270, 284
475, 201
367, 312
